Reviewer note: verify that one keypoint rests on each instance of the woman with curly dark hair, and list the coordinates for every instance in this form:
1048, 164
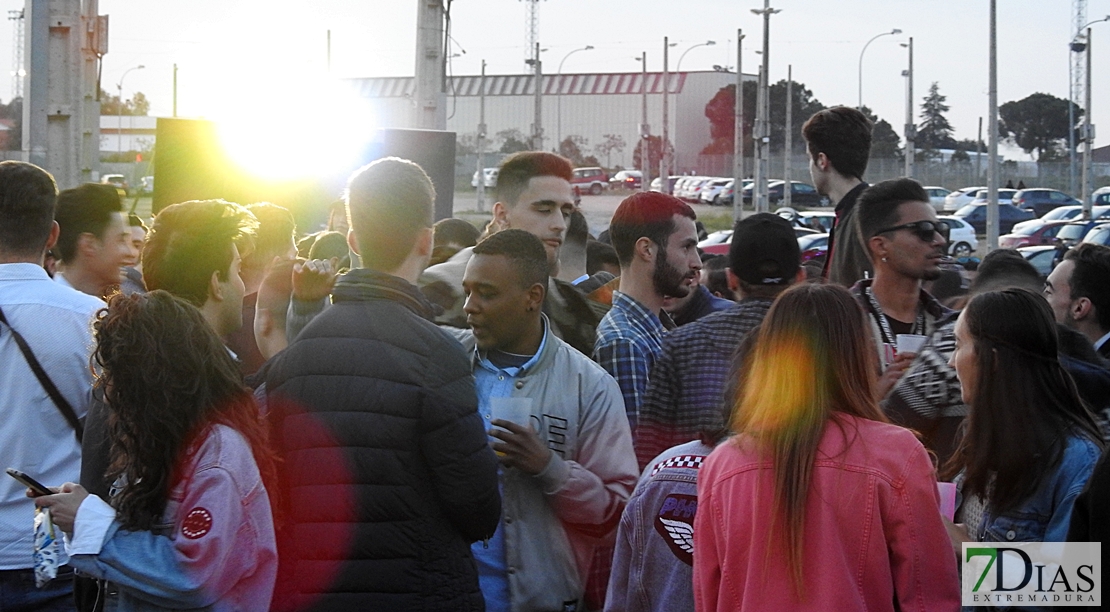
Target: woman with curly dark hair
189, 524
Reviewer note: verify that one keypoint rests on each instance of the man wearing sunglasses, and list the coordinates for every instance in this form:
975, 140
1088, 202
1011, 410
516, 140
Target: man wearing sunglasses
906, 243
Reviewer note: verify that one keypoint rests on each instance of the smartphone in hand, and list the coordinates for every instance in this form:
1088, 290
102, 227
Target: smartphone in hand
35, 486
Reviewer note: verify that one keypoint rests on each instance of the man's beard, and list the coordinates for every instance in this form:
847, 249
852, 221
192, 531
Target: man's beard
667, 279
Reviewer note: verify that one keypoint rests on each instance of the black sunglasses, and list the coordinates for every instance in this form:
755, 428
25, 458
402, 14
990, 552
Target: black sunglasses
922, 229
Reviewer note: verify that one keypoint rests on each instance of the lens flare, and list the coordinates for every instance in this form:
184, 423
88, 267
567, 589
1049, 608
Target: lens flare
781, 390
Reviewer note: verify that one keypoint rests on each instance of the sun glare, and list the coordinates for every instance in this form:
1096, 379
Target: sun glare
277, 136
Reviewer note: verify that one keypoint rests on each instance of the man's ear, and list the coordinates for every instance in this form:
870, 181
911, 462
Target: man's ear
644, 250
1082, 308
536, 294
733, 280
352, 241
822, 162
800, 277
215, 287
88, 244
424, 242
501, 215
51, 240
876, 247
264, 321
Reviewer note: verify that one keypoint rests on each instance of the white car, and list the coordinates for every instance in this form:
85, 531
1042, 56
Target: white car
1005, 196
937, 196
1062, 213
961, 237
960, 198
713, 189
490, 178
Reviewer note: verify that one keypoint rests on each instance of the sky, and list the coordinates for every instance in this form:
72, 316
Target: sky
238, 57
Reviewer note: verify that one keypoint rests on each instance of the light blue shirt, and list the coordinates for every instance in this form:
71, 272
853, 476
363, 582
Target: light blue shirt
34, 436
491, 381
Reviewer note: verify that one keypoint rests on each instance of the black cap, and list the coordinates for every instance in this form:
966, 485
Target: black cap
764, 250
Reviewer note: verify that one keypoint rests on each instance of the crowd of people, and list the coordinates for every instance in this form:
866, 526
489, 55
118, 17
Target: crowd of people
401, 414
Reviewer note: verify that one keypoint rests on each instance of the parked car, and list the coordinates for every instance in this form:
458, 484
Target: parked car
728, 193
1040, 201
718, 243
1101, 196
1032, 233
657, 182
801, 194
1099, 234
1073, 232
1008, 215
627, 179
589, 180
146, 185
692, 193
490, 175
1005, 196
937, 196
960, 198
119, 181
818, 220
713, 189
961, 237
1064, 213
1044, 258
813, 246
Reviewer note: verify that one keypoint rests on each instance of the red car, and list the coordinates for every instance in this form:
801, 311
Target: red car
1032, 235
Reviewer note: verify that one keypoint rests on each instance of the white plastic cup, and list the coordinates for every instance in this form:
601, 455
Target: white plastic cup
947, 500
910, 343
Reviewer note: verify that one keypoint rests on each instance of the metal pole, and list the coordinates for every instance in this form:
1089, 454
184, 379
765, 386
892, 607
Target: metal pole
787, 187
910, 129
764, 161
537, 127
559, 95
1071, 123
664, 161
119, 112
645, 130
738, 136
757, 185
1088, 137
482, 139
992, 135
894, 31
979, 152
674, 133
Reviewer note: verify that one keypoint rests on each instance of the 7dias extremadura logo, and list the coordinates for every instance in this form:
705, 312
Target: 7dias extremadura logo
1032, 573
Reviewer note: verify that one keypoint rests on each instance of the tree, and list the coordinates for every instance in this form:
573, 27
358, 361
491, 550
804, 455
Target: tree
571, 148
805, 105
655, 153
138, 105
934, 132
612, 142
466, 144
885, 142
512, 140
720, 111
1038, 123
13, 112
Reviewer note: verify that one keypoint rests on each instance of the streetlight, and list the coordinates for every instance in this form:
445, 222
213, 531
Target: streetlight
910, 127
1088, 132
119, 109
890, 33
678, 70
762, 109
1077, 45
559, 96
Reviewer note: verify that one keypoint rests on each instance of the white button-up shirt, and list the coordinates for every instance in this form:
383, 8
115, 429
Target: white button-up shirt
56, 322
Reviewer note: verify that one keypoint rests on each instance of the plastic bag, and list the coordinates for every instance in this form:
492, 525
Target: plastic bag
46, 548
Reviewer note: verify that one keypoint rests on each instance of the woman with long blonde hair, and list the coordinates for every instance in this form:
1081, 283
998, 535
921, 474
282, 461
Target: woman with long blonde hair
817, 503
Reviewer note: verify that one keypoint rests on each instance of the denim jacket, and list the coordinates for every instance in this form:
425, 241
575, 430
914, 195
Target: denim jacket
653, 564
1045, 516
214, 550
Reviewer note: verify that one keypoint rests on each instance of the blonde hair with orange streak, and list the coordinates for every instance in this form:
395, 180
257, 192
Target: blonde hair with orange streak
813, 356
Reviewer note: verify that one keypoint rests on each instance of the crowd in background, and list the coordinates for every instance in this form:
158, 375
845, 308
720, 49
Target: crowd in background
391, 413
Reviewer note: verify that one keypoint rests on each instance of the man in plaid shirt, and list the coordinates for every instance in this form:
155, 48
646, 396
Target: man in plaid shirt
657, 246
686, 386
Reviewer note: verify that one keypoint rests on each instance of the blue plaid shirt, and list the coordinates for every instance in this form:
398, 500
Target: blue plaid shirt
629, 339
686, 388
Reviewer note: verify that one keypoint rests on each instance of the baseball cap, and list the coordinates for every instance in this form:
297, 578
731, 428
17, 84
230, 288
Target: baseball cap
764, 250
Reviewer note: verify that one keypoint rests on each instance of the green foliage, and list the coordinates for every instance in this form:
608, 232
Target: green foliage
1038, 122
138, 105
934, 131
612, 142
655, 153
722, 121
885, 142
513, 140
13, 111
571, 148
804, 107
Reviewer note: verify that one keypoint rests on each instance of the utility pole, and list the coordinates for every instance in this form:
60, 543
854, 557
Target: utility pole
645, 129
482, 139
431, 108
61, 109
738, 136
910, 128
1088, 137
537, 126
759, 188
664, 159
992, 129
979, 152
788, 187
760, 177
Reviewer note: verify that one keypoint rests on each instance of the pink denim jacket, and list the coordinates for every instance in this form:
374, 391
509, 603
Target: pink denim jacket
873, 537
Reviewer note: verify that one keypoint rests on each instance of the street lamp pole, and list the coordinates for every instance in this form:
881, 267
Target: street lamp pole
119, 111
759, 187
559, 95
678, 70
645, 129
910, 128
738, 137
890, 33
1088, 129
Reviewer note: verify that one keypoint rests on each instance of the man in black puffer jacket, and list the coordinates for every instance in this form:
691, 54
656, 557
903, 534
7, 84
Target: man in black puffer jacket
386, 472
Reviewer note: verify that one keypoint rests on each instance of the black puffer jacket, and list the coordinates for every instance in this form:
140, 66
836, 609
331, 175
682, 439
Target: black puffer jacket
386, 472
